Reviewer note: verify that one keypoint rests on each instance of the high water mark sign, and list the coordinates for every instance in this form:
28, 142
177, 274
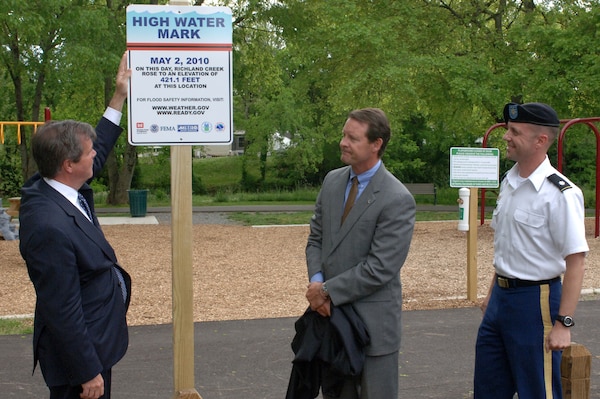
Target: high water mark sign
180, 92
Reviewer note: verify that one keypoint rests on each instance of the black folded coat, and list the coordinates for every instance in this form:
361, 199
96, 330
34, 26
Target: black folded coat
327, 351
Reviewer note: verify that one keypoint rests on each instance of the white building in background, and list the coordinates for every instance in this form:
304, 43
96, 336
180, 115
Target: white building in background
279, 142
235, 148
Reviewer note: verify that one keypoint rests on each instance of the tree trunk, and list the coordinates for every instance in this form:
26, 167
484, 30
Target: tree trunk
119, 173
119, 179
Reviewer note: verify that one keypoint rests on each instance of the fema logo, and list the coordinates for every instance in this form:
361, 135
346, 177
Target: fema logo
220, 126
513, 111
154, 128
206, 127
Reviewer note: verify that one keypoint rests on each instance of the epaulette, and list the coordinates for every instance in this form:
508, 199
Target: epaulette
559, 182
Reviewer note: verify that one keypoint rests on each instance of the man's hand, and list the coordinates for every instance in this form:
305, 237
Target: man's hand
325, 309
315, 296
559, 338
121, 85
93, 389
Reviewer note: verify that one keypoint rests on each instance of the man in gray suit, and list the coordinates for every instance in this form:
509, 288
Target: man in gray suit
358, 261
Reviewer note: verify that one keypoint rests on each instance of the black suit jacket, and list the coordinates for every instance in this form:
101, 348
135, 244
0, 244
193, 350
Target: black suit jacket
80, 324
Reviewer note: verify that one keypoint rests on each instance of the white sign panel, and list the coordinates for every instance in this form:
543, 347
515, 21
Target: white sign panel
180, 91
474, 167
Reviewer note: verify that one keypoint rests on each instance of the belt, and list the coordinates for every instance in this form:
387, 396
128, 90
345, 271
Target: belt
505, 282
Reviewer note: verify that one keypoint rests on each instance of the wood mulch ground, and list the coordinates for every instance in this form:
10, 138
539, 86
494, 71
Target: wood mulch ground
249, 273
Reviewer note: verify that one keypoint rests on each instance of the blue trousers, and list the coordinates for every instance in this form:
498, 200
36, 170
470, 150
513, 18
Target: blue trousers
510, 356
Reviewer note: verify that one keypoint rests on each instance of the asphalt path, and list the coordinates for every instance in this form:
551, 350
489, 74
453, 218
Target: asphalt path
248, 359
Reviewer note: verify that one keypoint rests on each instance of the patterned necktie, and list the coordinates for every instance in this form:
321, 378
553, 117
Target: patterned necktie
86, 207
121, 283
351, 198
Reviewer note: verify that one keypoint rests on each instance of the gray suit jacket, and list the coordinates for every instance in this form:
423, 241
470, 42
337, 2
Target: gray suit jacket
361, 259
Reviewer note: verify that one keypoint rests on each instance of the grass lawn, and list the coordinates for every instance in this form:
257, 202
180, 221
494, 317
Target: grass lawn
16, 326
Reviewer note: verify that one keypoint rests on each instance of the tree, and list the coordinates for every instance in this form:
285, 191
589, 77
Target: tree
63, 54
442, 70
32, 36
257, 85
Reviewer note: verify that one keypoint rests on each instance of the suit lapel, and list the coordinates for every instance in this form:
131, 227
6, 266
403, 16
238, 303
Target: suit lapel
337, 202
93, 232
366, 199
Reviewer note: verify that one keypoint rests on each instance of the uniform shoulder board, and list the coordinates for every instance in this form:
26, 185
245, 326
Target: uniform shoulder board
559, 182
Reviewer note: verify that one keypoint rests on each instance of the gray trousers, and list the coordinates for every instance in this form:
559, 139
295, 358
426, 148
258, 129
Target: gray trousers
379, 380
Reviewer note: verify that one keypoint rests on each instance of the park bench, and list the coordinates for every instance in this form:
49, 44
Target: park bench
422, 189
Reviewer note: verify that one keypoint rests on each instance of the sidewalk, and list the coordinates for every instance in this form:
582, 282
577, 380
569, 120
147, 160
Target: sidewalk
251, 359
258, 208
215, 214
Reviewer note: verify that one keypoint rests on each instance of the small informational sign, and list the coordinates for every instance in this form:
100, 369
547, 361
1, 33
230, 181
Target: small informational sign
474, 167
180, 90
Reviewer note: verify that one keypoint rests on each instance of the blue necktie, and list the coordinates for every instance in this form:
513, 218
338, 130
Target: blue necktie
121, 283
86, 207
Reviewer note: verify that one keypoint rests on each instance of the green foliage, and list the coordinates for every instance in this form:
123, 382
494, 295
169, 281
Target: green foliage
219, 174
281, 218
11, 178
97, 186
153, 173
579, 152
270, 218
442, 71
197, 186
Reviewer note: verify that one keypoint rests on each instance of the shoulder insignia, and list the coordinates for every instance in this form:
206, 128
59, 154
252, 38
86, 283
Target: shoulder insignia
559, 182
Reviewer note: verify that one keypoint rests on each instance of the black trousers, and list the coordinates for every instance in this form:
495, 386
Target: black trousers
72, 392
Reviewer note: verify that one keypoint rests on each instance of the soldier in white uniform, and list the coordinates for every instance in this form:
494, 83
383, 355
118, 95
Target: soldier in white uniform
539, 237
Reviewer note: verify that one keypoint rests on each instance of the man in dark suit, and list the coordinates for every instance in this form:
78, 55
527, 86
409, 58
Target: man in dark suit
357, 260
80, 328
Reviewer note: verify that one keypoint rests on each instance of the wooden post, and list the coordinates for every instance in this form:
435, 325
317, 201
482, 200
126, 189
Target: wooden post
575, 370
183, 289
472, 247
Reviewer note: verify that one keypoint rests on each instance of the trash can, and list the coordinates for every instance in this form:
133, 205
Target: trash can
138, 202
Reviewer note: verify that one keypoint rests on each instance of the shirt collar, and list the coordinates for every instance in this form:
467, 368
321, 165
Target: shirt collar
68, 192
365, 177
536, 178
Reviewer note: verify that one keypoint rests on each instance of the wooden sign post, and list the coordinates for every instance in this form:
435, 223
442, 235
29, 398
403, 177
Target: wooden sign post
182, 272
472, 247
183, 292
473, 168
180, 94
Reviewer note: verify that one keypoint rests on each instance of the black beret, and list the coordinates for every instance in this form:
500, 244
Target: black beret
534, 113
